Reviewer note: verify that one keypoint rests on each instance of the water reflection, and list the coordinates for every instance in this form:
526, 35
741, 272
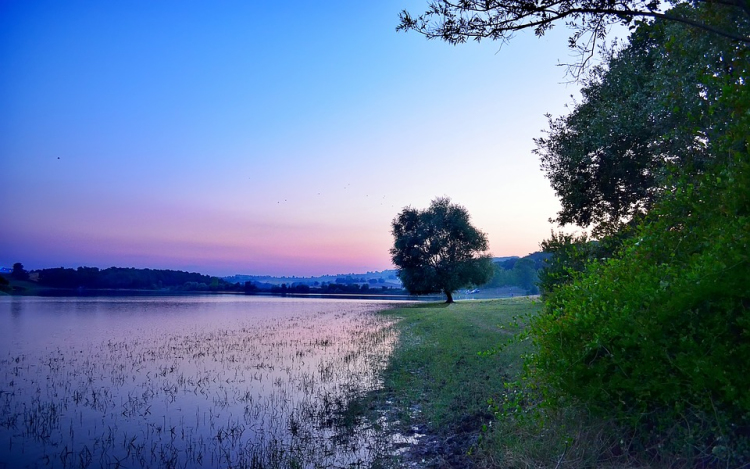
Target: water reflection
186, 382
16, 306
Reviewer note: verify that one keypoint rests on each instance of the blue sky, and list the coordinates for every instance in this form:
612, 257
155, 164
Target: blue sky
250, 137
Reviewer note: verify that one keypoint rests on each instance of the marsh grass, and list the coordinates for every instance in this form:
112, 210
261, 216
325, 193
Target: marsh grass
248, 393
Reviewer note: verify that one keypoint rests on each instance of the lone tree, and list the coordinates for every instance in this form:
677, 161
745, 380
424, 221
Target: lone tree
438, 250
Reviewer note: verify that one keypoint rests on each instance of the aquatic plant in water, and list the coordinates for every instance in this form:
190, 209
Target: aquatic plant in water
255, 391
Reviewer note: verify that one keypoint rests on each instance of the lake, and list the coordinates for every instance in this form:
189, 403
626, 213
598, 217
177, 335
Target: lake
188, 381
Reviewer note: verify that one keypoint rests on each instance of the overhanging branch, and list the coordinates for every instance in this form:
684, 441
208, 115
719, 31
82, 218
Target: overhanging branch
499, 19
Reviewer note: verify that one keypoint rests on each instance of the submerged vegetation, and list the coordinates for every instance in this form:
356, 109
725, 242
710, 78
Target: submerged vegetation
256, 386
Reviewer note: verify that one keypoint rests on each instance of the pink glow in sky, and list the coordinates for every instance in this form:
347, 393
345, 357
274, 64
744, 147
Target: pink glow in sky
259, 139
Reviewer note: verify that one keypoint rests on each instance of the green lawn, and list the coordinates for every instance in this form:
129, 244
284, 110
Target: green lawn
439, 383
438, 365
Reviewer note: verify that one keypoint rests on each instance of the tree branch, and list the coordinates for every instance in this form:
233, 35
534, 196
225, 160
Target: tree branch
665, 16
516, 17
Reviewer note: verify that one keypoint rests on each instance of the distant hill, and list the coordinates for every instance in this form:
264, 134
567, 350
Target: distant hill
503, 259
384, 278
518, 272
509, 262
387, 278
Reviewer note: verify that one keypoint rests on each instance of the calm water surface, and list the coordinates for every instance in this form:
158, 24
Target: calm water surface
188, 381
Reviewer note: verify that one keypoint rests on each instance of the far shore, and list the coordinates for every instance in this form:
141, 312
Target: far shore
81, 292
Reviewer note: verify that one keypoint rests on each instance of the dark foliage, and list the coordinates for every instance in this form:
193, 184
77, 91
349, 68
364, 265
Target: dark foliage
458, 21
644, 115
129, 278
343, 287
658, 335
519, 272
570, 254
438, 250
18, 272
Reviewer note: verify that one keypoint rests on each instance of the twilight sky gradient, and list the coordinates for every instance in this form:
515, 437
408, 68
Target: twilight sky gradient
256, 137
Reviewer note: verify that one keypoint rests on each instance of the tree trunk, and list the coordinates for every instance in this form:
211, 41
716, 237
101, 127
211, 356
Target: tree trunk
449, 295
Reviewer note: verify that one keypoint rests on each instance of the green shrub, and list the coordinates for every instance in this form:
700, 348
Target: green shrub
659, 336
571, 254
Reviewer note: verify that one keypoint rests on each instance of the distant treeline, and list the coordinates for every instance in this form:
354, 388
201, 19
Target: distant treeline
323, 289
129, 278
519, 272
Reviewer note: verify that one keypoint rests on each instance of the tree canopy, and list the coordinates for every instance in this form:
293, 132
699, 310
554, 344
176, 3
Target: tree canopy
648, 111
127, 278
438, 250
654, 332
19, 273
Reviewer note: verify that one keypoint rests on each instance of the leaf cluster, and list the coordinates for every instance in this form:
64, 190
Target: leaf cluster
570, 254
648, 112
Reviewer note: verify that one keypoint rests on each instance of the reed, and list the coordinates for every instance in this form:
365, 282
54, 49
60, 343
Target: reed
269, 393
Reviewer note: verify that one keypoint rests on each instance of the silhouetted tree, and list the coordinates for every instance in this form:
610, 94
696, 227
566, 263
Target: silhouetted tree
458, 21
127, 278
438, 250
19, 273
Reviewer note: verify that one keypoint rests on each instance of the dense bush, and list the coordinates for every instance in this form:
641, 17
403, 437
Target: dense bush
570, 254
660, 335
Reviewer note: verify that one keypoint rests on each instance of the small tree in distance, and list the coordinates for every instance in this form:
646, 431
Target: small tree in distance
19, 273
438, 250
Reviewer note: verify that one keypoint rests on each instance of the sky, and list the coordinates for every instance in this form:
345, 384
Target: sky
262, 138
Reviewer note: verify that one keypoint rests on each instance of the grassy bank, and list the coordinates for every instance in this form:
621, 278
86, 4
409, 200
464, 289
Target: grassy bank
442, 392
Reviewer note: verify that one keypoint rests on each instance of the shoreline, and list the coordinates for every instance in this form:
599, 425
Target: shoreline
105, 292
433, 405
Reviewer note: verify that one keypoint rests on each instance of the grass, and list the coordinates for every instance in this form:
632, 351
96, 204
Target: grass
442, 391
437, 365
18, 287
